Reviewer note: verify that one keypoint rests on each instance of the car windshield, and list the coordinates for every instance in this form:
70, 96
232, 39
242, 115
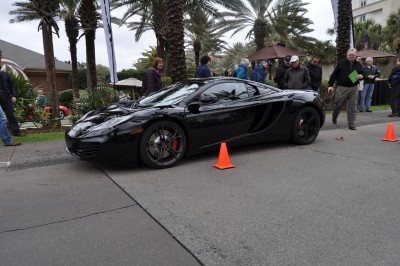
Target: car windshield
171, 95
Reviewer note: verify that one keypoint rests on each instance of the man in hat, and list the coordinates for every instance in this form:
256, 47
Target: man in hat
8, 94
280, 72
258, 74
346, 75
297, 76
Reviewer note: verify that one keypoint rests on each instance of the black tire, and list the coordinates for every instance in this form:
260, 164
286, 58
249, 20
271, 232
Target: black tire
306, 126
62, 114
162, 145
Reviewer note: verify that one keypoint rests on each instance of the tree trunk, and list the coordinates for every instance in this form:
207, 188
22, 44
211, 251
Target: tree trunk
50, 71
176, 58
91, 60
343, 31
71, 26
259, 33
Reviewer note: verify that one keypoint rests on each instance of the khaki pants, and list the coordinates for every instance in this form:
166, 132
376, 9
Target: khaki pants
348, 95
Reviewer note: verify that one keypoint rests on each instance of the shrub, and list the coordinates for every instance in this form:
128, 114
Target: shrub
98, 98
66, 98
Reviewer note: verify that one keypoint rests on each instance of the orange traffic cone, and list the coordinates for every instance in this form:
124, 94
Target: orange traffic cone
223, 159
390, 136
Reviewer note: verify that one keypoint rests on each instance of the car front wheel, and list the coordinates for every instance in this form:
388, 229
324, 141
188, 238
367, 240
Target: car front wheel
306, 126
163, 144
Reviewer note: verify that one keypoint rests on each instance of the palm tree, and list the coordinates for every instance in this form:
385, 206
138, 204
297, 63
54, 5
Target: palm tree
88, 16
285, 20
363, 28
152, 14
324, 50
68, 13
203, 33
45, 11
176, 44
393, 28
343, 29
152, 17
234, 53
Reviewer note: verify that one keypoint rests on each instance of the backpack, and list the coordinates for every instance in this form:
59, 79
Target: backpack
395, 78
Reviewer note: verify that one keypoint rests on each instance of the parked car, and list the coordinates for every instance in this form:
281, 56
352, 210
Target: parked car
195, 116
64, 111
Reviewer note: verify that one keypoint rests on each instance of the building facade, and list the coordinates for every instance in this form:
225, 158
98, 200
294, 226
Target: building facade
34, 66
377, 10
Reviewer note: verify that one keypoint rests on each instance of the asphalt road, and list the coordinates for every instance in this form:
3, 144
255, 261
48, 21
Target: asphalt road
334, 202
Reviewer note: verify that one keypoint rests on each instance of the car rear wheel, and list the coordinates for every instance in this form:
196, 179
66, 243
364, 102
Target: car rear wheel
163, 144
62, 115
306, 126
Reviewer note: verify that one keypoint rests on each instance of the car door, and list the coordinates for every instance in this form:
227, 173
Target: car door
227, 116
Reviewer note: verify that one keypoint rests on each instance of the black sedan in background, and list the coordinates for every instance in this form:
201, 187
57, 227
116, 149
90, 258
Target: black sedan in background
195, 116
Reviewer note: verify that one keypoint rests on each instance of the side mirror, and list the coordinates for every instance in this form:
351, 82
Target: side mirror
208, 98
194, 107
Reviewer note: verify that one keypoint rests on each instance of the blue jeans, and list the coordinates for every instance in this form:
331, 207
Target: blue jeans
366, 96
4, 134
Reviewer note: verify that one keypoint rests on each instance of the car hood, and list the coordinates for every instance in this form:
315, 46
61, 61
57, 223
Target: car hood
104, 121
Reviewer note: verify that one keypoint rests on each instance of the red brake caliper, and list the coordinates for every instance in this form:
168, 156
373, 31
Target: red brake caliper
174, 144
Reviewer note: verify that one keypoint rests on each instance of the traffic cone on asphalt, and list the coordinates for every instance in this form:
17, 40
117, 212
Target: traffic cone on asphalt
390, 136
223, 160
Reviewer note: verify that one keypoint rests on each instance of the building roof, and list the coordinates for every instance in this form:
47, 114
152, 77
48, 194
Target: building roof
28, 59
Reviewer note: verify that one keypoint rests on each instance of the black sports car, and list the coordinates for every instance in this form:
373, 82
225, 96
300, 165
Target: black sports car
195, 116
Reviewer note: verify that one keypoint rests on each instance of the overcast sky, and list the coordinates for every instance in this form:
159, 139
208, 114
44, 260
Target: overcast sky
127, 51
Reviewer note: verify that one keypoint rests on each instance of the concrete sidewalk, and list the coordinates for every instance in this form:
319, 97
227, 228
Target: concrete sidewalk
53, 152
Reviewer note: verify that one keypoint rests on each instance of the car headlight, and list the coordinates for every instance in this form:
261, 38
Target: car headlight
106, 127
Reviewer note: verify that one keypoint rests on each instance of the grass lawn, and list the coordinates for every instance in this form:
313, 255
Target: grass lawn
39, 137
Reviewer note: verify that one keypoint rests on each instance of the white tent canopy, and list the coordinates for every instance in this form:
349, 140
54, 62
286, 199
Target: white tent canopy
11, 66
132, 82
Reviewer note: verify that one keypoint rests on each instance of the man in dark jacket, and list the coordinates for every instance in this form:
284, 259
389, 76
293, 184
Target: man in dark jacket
280, 72
297, 76
315, 73
8, 96
395, 90
346, 75
203, 71
258, 74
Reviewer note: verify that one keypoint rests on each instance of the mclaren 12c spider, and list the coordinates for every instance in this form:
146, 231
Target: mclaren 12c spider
195, 116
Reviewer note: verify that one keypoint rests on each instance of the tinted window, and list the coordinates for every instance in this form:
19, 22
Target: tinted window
170, 95
228, 91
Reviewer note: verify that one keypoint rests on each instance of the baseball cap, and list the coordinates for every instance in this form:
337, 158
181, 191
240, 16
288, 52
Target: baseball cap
294, 58
287, 58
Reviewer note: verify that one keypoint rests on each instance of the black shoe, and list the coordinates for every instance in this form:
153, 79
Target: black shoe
13, 143
352, 127
369, 111
361, 111
392, 115
334, 121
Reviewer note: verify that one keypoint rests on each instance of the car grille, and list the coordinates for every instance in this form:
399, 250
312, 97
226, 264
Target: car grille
84, 151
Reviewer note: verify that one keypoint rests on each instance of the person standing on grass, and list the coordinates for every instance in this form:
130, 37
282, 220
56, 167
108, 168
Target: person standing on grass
370, 73
4, 134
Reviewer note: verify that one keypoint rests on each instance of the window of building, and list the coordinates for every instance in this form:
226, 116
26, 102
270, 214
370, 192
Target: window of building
362, 17
363, 3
